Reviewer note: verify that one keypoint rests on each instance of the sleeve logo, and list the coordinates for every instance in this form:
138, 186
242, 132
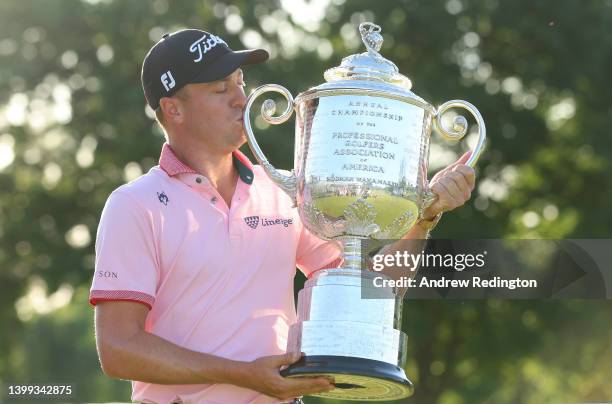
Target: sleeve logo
163, 198
107, 274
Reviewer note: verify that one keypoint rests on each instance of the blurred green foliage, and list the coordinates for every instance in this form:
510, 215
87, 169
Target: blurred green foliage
73, 126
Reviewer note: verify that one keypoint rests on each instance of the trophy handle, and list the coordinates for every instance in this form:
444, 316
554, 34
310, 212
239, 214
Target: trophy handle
287, 183
457, 132
459, 128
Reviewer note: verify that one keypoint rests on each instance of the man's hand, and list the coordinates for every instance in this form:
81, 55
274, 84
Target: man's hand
263, 376
453, 185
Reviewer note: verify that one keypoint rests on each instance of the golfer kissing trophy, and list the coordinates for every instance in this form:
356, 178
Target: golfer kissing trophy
361, 158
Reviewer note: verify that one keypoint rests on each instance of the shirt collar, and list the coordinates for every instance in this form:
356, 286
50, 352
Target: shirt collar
173, 166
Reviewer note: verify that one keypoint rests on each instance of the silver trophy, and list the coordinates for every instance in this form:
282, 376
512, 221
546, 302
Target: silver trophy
360, 172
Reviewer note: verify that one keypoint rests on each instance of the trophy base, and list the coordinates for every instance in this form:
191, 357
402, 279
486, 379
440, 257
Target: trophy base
356, 378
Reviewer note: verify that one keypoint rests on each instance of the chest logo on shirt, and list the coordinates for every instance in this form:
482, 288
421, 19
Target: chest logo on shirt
253, 221
163, 198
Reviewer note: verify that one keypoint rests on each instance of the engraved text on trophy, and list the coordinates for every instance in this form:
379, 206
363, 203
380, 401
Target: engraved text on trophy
366, 140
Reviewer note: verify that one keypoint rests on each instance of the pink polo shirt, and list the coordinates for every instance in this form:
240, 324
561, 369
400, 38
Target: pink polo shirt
217, 280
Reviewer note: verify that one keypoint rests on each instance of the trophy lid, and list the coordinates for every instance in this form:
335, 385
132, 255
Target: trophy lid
370, 65
368, 72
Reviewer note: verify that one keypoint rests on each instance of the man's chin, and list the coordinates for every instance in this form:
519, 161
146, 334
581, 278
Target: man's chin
241, 140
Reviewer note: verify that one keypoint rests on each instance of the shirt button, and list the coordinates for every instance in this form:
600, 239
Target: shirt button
199, 180
213, 199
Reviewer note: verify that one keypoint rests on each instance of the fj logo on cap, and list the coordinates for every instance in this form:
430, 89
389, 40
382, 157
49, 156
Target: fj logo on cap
167, 80
204, 44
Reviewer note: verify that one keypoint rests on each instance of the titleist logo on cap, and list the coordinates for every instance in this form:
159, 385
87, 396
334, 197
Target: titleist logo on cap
204, 44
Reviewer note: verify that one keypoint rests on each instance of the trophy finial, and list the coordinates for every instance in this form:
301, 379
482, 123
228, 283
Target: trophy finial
371, 37
370, 65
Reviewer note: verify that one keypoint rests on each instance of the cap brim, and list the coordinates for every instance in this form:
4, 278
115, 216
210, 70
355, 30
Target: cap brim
228, 63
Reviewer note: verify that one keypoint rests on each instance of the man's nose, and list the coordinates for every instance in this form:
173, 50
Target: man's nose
239, 99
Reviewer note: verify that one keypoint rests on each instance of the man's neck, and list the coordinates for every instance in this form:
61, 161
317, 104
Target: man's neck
218, 168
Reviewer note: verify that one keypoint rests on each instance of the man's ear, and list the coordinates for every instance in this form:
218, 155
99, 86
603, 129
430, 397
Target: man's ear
171, 109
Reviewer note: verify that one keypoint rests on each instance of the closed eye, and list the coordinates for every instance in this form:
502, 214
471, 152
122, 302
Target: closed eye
222, 88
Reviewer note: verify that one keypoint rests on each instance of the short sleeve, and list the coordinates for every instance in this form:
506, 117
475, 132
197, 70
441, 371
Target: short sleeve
314, 253
126, 261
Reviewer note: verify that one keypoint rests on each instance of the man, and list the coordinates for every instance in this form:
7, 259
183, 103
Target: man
193, 298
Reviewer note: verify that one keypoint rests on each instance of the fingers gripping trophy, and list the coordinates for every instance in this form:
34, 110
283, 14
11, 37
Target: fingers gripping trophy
361, 159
